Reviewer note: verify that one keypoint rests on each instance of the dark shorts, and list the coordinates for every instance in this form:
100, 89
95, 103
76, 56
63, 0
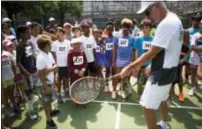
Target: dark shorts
63, 72
178, 78
48, 98
91, 70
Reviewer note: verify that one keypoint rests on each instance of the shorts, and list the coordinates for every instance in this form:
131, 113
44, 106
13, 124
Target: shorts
31, 82
195, 60
153, 95
178, 76
122, 63
19, 78
63, 72
91, 70
142, 78
8, 83
48, 98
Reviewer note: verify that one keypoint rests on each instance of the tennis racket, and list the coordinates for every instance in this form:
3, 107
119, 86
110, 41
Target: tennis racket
87, 89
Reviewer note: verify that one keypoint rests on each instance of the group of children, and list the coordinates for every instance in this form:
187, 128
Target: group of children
55, 58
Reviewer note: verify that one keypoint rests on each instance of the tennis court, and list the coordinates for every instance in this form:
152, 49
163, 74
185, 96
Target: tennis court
105, 113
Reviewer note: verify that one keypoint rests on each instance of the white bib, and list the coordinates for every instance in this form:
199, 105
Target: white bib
146, 45
61, 49
109, 46
123, 42
97, 49
28, 51
78, 60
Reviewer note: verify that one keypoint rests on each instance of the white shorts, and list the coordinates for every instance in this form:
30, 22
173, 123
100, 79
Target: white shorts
153, 95
194, 59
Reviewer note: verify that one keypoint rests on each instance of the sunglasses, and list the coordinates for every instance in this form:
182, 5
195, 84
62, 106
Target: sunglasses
147, 12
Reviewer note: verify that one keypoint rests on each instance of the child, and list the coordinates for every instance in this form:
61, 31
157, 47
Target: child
88, 45
123, 53
76, 30
60, 49
26, 61
77, 62
8, 70
47, 68
142, 45
98, 52
195, 58
108, 52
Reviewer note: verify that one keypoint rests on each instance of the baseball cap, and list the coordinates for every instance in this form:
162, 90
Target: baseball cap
145, 4
66, 25
75, 40
10, 37
51, 19
7, 42
6, 19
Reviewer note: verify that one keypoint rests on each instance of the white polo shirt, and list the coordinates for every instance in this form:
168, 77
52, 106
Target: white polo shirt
33, 41
45, 61
61, 50
88, 45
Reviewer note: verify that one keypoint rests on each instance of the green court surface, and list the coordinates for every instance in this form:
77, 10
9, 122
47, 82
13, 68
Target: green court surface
105, 113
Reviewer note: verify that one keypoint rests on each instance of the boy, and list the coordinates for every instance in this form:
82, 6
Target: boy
76, 30
8, 70
60, 49
26, 61
108, 52
88, 45
195, 58
142, 45
47, 68
123, 53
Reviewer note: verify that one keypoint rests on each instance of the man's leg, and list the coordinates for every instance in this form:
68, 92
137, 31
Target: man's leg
150, 118
164, 110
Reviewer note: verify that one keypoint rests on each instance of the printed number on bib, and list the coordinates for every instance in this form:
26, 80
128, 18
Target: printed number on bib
109, 46
146, 45
97, 49
5, 62
29, 51
123, 42
78, 60
61, 49
89, 46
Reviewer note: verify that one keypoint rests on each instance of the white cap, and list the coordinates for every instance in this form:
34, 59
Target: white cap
6, 19
145, 4
28, 23
10, 37
66, 24
51, 19
75, 40
6, 42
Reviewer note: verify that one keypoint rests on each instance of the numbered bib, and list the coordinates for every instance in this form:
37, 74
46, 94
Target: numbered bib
109, 46
5, 62
78, 60
123, 42
97, 49
28, 51
146, 45
61, 49
89, 46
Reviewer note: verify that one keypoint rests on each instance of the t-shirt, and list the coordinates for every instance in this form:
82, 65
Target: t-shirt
6, 66
135, 31
45, 61
125, 46
142, 45
25, 55
33, 40
196, 41
169, 37
88, 46
61, 50
108, 53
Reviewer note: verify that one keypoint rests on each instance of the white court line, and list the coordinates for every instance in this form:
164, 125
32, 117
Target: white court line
135, 104
118, 116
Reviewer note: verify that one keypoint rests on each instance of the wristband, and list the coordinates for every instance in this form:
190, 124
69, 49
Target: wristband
76, 71
83, 69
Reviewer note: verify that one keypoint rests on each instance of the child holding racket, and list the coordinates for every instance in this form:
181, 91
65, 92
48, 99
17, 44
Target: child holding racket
142, 45
123, 53
47, 70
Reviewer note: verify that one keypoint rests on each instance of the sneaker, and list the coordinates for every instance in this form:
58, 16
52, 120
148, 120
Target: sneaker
51, 124
10, 114
113, 94
181, 97
60, 100
32, 116
106, 89
192, 91
54, 113
162, 125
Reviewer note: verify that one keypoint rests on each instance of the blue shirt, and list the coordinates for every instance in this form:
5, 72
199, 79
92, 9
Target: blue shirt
125, 45
142, 45
108, 53
99, 54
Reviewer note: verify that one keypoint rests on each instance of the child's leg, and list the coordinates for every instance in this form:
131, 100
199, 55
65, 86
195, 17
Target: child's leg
99, 71
47, 110
193, 79
187, 71
116, 80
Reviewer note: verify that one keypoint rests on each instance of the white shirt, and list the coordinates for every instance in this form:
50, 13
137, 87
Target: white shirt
89, 45
196, 41
6, 66
33, 40
45, 61
61, 50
